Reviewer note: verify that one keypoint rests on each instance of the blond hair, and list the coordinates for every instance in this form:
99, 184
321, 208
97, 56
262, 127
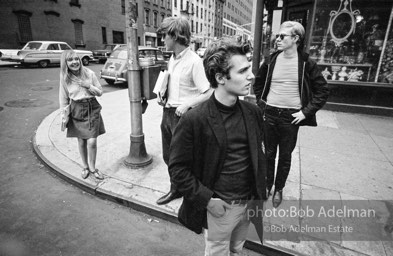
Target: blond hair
65, 75
296, 29
178, 28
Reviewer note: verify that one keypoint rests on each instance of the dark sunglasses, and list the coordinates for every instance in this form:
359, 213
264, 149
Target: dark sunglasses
71, 59
282, 36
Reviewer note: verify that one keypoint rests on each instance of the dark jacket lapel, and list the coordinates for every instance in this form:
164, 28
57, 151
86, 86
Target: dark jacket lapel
215, 121
251, 128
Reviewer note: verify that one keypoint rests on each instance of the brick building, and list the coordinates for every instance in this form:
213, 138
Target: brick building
81, 23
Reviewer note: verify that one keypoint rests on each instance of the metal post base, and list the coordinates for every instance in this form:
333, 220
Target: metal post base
138, 156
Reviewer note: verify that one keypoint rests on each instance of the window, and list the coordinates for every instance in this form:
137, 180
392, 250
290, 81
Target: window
155, 15
75, 3
201, 13
181, 4
118, 37
53, 47
162, 17
197, 10
103, 31
65, 47
25, 33
196, 27
352, 46
147, 18
192, 26
123, 7
78, 32
175, 3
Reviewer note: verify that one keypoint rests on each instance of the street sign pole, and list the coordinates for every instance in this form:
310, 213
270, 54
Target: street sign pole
138, 156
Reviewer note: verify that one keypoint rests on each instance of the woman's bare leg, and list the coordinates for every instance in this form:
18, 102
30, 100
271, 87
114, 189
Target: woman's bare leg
82, 144
92, 153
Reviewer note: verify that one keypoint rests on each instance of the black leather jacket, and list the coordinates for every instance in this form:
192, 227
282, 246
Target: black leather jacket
313, 88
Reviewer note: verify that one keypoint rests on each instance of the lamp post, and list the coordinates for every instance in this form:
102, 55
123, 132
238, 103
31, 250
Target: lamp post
257, 47
138, 156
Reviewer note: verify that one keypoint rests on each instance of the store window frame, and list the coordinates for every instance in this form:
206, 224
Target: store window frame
355, 69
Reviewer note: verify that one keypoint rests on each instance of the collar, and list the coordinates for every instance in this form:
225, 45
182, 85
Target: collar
181, 54
223, 107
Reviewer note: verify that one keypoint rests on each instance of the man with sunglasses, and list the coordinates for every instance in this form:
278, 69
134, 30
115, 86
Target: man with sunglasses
290, 89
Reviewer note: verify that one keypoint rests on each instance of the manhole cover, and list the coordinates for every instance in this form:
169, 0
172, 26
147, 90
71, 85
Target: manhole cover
42, 88
26, 103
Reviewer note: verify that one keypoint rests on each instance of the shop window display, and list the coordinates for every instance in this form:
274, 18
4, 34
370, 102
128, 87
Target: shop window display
352, 40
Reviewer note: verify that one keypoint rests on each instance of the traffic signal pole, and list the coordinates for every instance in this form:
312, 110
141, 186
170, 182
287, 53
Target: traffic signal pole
138, 156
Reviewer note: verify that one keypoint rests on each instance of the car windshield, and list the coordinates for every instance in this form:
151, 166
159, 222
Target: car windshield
109, 47
120, 53
32, 46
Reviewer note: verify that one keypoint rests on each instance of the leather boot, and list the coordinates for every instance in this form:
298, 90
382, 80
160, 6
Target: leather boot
168, 197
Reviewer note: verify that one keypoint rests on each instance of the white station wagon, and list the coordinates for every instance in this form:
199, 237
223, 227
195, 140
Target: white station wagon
44, 53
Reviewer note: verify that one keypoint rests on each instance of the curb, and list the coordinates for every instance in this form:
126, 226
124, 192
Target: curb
136, 204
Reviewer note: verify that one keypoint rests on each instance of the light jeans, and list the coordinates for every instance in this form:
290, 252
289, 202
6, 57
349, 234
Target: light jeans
226, 235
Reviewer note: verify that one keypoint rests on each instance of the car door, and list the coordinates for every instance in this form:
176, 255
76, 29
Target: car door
54, 52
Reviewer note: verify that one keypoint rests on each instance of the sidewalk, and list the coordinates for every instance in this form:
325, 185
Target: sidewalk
347, 157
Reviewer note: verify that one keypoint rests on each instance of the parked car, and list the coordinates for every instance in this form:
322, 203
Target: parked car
44, 53
115, 68
201, 51
167, 54
103, 54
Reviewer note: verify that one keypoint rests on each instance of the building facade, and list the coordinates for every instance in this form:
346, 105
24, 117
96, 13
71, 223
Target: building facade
238, 19
88, 24
206, 19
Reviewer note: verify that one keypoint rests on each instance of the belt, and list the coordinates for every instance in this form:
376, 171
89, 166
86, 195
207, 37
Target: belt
171, 109
243, 201
281, 109
85, 100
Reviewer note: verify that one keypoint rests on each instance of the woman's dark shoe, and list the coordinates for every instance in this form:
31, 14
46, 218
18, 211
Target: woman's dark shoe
98, 175
277, 198
85, 173
171, 195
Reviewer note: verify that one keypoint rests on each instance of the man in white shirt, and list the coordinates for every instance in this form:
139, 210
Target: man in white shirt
187, 85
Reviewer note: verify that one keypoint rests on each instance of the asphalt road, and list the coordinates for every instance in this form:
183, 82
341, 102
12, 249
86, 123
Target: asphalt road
40, 214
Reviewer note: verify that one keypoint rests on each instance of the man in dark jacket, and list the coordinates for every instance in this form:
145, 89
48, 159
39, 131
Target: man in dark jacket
217, 161
290, 89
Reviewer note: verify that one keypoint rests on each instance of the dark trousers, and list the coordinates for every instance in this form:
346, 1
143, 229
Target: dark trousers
168, 124
281, 134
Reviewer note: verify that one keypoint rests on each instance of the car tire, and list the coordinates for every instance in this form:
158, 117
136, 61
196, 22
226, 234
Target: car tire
110, 82
85, 61
43, 63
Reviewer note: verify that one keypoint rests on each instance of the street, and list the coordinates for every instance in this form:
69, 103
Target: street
43, 215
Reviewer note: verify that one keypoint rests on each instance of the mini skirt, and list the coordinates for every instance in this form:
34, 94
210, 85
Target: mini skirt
85, 119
